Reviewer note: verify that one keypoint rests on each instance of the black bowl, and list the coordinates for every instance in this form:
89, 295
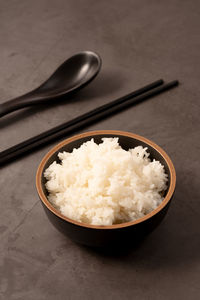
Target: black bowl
118, 234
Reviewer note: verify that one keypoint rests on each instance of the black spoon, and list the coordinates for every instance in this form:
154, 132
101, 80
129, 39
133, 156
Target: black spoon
71, 76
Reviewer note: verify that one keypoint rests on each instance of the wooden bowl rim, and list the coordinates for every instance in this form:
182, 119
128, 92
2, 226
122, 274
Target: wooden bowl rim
102, 132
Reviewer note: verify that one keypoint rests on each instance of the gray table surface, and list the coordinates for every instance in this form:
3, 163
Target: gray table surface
139, 42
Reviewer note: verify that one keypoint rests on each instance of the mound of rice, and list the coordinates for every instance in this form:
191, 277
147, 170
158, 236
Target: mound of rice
104, 184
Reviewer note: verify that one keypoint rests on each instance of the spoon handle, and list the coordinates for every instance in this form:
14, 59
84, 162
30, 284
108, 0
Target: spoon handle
19, 102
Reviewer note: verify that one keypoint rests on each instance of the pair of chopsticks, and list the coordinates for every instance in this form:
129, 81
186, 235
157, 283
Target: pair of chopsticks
92, 116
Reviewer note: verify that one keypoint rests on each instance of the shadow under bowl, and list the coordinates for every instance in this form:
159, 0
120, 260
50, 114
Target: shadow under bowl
129, 233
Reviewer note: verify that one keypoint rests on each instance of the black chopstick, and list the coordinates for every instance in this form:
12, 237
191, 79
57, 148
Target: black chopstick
60, 128
86, 119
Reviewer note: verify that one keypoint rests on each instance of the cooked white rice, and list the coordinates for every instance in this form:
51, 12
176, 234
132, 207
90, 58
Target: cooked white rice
104, 184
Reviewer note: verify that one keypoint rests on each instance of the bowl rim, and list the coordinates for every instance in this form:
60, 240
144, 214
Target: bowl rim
49, 206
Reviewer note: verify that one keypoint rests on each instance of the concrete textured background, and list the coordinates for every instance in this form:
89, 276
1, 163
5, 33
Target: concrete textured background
139, 41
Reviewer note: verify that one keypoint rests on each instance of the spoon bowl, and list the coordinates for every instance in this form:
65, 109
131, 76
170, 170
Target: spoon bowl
75, 73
